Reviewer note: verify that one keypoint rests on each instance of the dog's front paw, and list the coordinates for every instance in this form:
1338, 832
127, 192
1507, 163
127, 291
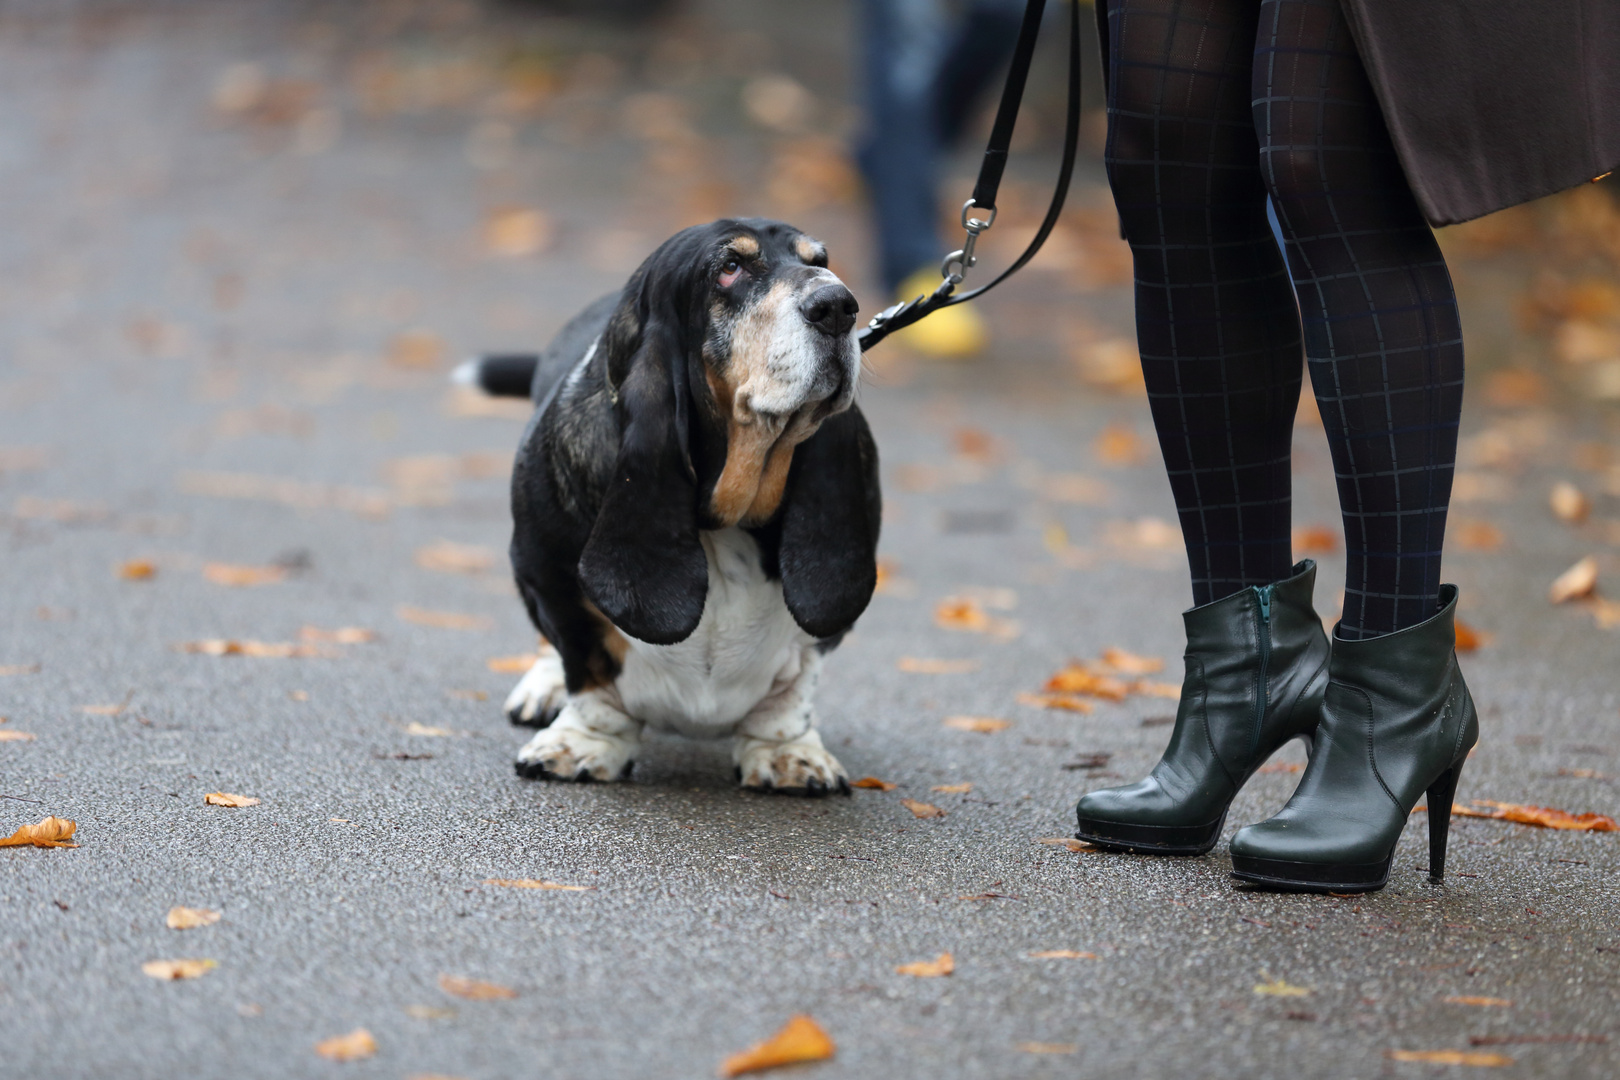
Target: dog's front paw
799, 766
540, 695
569, 753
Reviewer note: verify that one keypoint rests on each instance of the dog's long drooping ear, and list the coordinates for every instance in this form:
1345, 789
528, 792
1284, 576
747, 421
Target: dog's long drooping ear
643, 564
831, 514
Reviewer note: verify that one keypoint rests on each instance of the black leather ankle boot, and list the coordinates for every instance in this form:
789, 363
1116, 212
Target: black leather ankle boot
1257, 664
1397, 721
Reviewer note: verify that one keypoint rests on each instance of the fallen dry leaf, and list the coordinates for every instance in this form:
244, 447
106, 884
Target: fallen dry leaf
1077, 678
511, 665
1578, 581
919, 666
414, 728
1278, 988
801, 1039
1062, 954
474, 989
178, 969
19, 669
975, 444
273, 650
943, 964
429, 1012
953, 789
965, 613
138, 570
1569, 504
1055, 701
1515, 387
51, 832
1118, 445
343, 635
351, 1047
1112, 364
223, 798
532, 883
1129, 663
1449, 1057
187, 918
236, 576
452, 558
1149, 688
517, 231
416, 349
1469, 639
1605, 612
873, 783
1047, 1048
443, 620
1543, 816
1067, 842
1485, 1002
1477, 536
983, 725
922, 809
1315, 540
8, 735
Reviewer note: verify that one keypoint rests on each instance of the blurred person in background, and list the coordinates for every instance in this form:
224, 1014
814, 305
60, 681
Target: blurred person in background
925, 71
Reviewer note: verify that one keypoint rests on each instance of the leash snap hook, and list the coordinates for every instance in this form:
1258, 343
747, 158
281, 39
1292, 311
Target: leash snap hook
963, 258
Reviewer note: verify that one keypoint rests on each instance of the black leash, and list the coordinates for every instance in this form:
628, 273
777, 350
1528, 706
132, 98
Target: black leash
956, 264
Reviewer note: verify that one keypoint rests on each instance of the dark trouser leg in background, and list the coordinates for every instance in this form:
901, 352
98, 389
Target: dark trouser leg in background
1381, 330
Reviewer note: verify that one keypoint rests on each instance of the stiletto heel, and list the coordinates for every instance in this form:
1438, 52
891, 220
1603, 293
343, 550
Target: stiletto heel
1440, 797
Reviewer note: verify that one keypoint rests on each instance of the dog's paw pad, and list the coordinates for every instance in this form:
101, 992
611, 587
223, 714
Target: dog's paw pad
540, 695
792, 768
571, 754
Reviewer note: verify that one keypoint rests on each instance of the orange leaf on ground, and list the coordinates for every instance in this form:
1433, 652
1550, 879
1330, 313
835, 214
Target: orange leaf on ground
1482, 1001
516, 231
975, 444
922, 809
241, 577
351, 1047
474, 989
1129, 663
943, 964
1578, 581
451, 558
1067, 842
983, 725
178, 969
1449, 1057
1469, 639
919, 666
1569, 504
343, 635
443, 620
1062, 954
51, 832
511, 665
15, 736
801, 1039
138, 570
874, 783
187, 918
19, 669
417, 349
273, 650
533, 883
1315, 540
1055, 701
966, 613
223, 798
1477, 536
1118, 445
953, 789
1076, 678
1543, 816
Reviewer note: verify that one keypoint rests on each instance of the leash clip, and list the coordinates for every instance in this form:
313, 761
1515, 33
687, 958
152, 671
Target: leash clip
963, 258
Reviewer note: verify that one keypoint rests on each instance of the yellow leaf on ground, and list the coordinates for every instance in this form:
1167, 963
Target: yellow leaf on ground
351, 1047
1315, 540
1486, 1002
474, 989
966, 613
50, 832
1578, 581
1129, 663
273, 650
178, 969
413, 728
1543, 816
452, 558
918, 666
1469, 639
533, 883
1048, 1048
511, 665
953, 789
874, 783
1449, 1057
1062, 954
1067, 842
943, 964
984, 725
1055, 701
16, 736
1118, 445
187, 918
801, 1039
1279, 988
1077, 678
138, 570
222, 798
343, 635
443, 620
1569, 504
241, 577
922, 809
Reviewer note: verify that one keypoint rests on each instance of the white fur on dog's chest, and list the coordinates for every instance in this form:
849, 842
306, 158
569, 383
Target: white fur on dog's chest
745, 647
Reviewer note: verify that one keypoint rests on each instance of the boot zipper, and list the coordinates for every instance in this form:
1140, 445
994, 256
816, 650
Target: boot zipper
1263, 595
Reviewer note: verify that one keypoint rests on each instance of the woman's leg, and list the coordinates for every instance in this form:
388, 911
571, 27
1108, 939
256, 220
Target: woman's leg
1381, 329
1215, 315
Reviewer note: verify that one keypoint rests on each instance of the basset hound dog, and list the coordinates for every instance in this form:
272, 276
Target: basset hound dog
695, 509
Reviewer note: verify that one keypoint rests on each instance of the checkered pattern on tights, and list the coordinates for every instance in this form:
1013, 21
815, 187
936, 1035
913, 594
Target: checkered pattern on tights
1213, 103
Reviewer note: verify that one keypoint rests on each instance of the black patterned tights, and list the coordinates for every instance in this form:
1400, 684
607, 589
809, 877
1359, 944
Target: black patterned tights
1213, 104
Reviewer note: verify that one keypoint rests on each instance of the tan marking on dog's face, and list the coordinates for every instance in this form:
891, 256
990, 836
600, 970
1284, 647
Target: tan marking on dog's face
745, 246
810, 250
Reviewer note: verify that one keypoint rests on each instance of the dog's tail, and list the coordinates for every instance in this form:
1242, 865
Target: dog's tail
499, 374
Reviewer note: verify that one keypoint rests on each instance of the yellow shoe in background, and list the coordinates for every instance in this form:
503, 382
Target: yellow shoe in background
954, 333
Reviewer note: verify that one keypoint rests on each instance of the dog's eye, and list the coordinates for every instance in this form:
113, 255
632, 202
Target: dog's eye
729, 273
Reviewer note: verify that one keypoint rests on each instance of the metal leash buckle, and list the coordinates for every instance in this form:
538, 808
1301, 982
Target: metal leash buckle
963, 257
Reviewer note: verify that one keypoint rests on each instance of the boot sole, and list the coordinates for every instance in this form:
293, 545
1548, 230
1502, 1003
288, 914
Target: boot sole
1151, 839
1312, 877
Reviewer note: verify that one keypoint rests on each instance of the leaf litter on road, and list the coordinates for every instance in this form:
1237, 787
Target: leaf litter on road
171, 970
1279, 987
941, 965
237, 576
137, 570
966, 613
952, 789
1062, 954
535, 883
920, 666
1546, 817
189, 918
223, 798
50, 832
983, 725
922, 809
1576, 583
1066, 702
443, 620
1482, 1002
475, 989
512, 665
800, 1039
355, 1045
873, 783
273, 650
1449, 1057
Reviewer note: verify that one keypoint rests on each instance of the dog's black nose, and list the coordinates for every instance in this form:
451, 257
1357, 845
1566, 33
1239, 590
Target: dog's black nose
830, 309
